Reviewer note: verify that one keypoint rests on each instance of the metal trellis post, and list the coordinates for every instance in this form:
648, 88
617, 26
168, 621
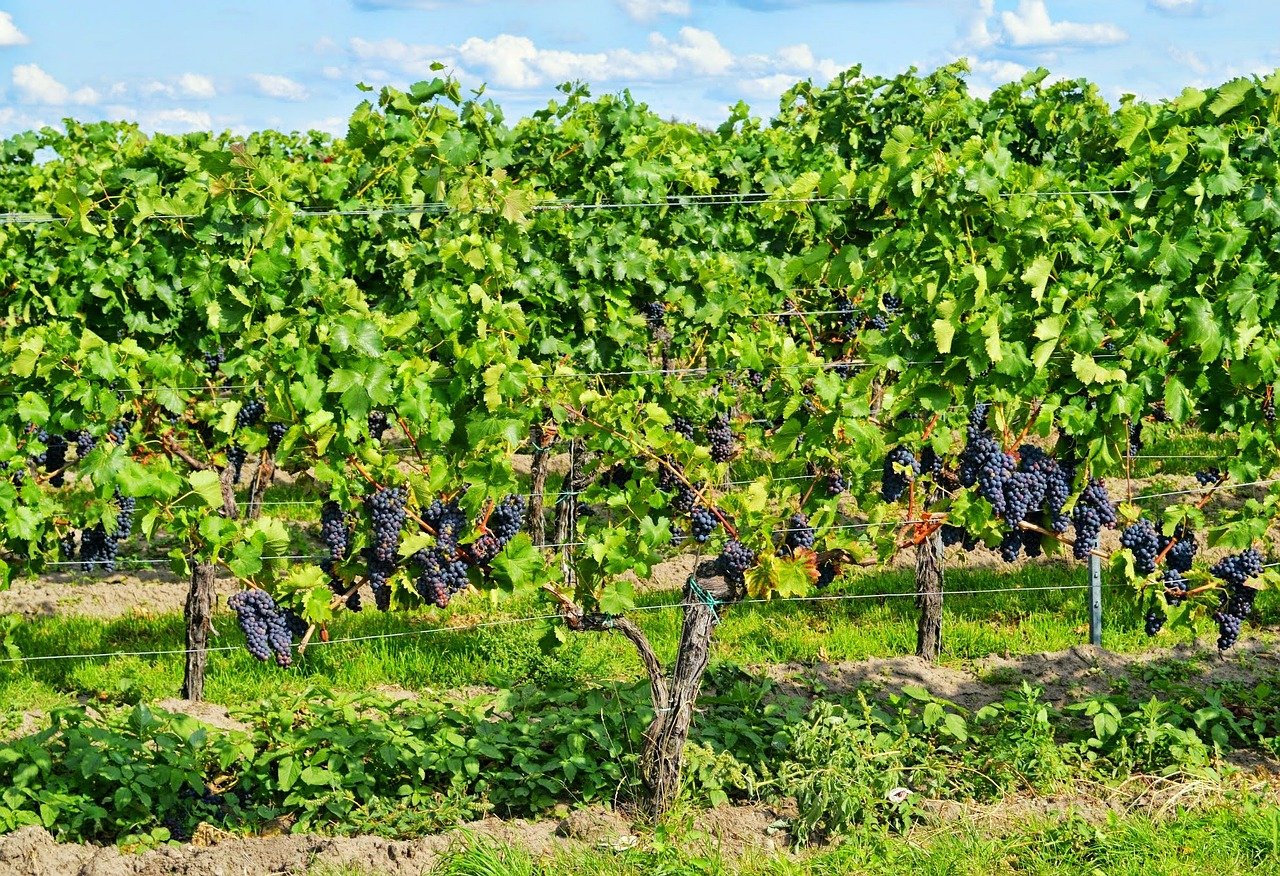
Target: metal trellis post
1095, 601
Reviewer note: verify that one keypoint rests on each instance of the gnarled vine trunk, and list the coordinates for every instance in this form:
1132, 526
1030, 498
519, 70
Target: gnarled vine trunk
198, 613
674, 698
929, 583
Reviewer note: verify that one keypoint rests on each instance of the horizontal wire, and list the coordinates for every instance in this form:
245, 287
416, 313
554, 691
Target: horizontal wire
687, 202
543, 617
1219, 488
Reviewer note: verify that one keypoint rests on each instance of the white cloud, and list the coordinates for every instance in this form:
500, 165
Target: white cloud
1181, 7
282, 87
34, 85
1031, 25
697, 49
988, 75
648, 10
1188, 59
175, 121
9, 33
977, 35
197, 85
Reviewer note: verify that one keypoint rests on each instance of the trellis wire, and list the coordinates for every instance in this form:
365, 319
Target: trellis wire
543, 617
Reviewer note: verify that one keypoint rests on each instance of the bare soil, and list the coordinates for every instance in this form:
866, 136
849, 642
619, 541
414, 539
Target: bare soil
1065, 676
32, 851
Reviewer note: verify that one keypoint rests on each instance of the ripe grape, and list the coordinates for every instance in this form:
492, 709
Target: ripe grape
84, 441
827, 572
507, 518
250, 412
836, 484
214, 360
799, 534
1093, 511
275, 432
377, 421
1175, 586
733, 563
335, 533
682, 426
1141, 538
54, 458
1208, 476
1154, 621
1135, 439
387, 511
892, 303
235, 459
120, 431
266, 627
900, 469
449, 522
654, 314
1237, 597
702, 523
1269, 408
99, 548
441, 575
721, 437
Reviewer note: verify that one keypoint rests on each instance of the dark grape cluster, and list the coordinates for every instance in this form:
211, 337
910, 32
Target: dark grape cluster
250, 413
377, 421
1237, 599
335, 533
799, 534
387, 508
99, 549
440, 575
449, 522
733, 563
684, 500
1209, 476
755, 379
702, 523
120, 431
983, 463
67, 545
892, 303
507, 518
836, 483
682, 426
267, 629
1055, 479
1134, 446
654, 313
668, 476
84, 441
827, 571
236, 456
1093, 511
953, 535
930, 462
1175, 586
1269, 407
1183, 552
1154, 621
900, 469
213, 361
1143, 541
275, 434
721, 438
54, 457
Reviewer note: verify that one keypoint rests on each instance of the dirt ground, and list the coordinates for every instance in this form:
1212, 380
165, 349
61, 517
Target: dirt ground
31, 851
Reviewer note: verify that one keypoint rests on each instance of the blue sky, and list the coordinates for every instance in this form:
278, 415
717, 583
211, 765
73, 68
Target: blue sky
188, 64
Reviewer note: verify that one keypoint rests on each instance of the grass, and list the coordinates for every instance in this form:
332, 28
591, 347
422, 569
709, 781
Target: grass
1233, 839
419, 656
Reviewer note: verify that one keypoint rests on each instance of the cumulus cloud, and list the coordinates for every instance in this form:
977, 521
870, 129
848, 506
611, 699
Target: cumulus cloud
34, 85
1188, 59
197, 85
282, 87
9, 33
1031, 26
518, 63
648, 10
